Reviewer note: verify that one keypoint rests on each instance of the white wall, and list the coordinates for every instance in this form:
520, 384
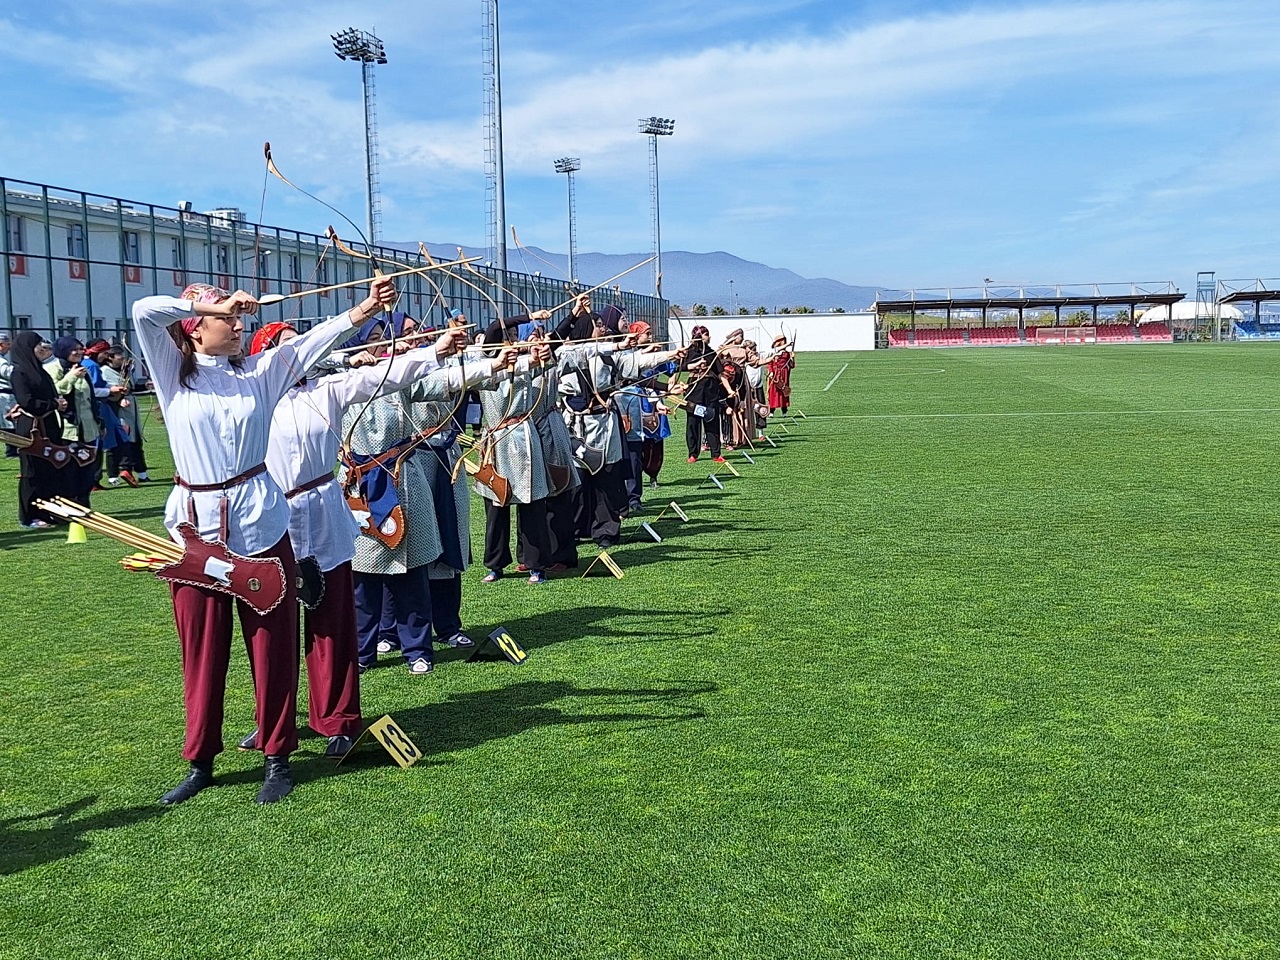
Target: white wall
813, 331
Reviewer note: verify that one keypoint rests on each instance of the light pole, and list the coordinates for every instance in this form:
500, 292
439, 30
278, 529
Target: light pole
367, 49
568, 166
495, 179
653, 128
732, 304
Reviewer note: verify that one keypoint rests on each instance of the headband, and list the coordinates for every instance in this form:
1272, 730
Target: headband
200, 293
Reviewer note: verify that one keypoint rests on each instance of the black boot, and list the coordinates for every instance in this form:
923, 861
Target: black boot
250, 742
278, 784
338, 747
198, 777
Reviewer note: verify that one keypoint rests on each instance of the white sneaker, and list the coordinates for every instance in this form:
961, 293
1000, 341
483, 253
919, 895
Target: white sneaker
460, 640
421, 666
384, 646
113, 481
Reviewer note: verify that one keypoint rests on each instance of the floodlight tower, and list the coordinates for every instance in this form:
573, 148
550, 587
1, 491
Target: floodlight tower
569, 166
653, 128
367, 49
495, 199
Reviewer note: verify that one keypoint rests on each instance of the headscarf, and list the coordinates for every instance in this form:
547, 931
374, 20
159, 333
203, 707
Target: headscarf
23, 353
269, 336
699, 332
63, 347
365, 334
611, 316
27, 367
200, 293
640, 328
96, 347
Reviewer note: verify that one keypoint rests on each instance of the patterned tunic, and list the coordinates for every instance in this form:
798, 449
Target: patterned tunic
597, 427
400, 416
517, 451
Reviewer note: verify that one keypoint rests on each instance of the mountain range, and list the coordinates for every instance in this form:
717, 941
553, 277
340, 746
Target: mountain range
713, 279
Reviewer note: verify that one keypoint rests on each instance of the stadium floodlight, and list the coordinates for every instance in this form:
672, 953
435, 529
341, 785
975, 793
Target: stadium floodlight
657, 127
653, 128
358, 45
569, 166
366, 49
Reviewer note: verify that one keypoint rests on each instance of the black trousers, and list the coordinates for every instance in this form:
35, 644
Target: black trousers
633, 457
40, 480
562, 528
599, 503
126, 456
695, 425
533, 538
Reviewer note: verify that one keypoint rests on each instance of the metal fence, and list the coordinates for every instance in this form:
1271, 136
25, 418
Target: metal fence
75, 262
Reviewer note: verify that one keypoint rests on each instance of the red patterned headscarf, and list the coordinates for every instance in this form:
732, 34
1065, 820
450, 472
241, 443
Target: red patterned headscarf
269, 336
200, 293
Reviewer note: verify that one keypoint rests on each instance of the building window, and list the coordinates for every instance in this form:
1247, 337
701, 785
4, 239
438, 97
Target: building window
130, 249
75, 241
16, 228
322, 273
67, 326
295, 267
223, 258
264, 261
23, 322
178, 253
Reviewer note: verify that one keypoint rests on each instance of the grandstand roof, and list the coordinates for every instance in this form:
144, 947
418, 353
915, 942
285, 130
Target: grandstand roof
1248, 291
1020, 298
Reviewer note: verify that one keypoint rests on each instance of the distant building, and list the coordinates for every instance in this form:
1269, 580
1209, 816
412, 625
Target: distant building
75, 263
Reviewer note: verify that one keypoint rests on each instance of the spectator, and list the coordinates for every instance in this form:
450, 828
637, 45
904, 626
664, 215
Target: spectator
37, 412
6, 391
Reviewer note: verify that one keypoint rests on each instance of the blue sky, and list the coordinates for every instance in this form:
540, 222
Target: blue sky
906, 144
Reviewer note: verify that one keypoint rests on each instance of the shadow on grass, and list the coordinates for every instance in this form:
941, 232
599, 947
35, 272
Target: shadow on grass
556, 626
466, 720
641, 552
27, 847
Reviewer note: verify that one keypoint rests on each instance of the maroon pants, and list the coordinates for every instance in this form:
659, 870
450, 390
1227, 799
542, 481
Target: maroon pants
333, 678
203, 618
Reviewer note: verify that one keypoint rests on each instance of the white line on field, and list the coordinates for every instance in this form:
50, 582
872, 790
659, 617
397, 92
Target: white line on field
832, 381
1036, 413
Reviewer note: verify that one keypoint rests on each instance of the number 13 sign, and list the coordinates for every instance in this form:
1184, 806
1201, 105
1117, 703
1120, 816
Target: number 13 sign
394, 740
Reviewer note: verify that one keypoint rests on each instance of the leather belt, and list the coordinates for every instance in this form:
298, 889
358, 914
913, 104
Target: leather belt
226, 485
319, 481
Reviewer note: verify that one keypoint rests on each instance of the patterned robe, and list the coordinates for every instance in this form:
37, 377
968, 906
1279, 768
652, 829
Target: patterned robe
399, 416
516, 450
597, 427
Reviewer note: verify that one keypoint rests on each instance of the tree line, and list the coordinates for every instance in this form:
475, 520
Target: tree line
701, 310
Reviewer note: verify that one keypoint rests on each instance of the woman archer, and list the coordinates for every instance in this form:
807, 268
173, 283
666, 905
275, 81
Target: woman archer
217, 405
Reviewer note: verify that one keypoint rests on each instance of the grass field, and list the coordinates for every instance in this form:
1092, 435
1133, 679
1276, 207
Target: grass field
980, 663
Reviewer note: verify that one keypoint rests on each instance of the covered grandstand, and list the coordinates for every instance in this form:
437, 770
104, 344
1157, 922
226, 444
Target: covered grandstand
979, 316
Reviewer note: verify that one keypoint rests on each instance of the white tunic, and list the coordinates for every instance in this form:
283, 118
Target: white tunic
304, 445
218, 427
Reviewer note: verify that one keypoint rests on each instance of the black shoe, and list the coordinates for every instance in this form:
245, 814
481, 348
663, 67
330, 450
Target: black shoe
277, 784
198, 777
338, 747
250, 742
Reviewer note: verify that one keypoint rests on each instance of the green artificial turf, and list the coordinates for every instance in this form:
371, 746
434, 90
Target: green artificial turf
981, 662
